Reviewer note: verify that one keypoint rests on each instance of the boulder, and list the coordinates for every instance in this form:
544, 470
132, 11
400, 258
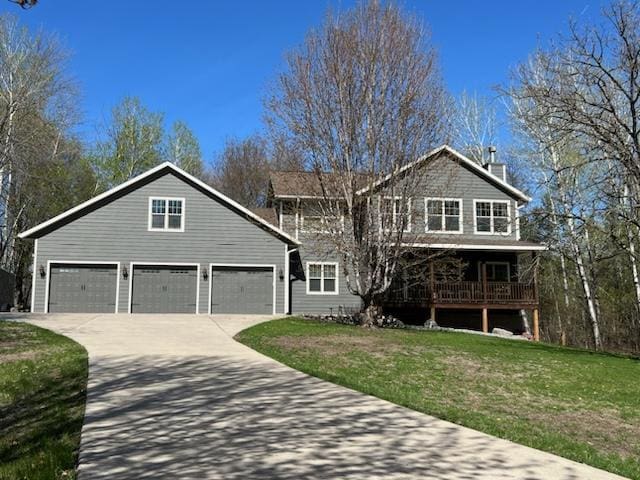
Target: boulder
502, 332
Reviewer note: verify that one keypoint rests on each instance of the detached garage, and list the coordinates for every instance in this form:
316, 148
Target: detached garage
163, 242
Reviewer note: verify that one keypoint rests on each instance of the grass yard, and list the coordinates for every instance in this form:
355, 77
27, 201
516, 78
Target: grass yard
574, 403
43, 379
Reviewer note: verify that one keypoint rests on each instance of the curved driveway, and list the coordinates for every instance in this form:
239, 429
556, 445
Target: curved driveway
175, 397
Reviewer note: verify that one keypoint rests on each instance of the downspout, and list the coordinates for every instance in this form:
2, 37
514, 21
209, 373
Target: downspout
287, 257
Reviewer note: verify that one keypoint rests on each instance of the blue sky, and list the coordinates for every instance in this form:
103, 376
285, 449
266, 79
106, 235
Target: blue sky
209, 63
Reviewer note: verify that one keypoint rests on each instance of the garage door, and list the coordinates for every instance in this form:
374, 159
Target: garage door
242, 290
82, 288
164, 289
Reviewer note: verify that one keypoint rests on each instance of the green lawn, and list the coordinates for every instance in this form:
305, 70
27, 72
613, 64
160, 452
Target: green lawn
574, 403
43, 378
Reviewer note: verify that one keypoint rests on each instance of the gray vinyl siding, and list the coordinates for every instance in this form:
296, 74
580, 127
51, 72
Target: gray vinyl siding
323, 304
443, 178
118, 232
447, 179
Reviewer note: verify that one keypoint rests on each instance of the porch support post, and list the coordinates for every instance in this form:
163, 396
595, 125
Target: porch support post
485, 320
536, 325
433, 313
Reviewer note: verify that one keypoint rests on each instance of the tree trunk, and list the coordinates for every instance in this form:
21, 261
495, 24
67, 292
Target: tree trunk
370, 315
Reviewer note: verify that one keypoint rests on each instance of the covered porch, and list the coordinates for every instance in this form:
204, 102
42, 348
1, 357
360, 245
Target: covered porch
471, 281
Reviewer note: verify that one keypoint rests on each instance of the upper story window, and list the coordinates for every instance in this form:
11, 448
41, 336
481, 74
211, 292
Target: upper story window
166, 214
395, 213
443, 215
322, 278
492, 217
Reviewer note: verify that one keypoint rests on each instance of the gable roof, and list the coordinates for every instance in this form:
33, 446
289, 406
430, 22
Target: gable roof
269, 214
309, 185
304, 184
466, 162
170, 168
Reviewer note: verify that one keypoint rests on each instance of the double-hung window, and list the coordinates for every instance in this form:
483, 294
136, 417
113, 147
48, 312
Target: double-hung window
166, 214
443, 215
322, 278
492, 217
395, 214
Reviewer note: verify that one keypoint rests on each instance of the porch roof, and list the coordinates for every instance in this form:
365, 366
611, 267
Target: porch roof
489, 244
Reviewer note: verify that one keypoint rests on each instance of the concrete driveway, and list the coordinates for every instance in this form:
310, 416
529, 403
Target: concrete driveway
175, 397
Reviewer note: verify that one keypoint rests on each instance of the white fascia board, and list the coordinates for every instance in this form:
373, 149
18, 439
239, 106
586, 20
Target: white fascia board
457, 246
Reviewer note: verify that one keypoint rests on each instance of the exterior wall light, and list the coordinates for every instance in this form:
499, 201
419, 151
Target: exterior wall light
205, 275
281, 275
125, 272
42, 271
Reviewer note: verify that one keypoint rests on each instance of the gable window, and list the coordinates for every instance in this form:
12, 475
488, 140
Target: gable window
166, 214
393, 214
492, 217
443, 215
322, 278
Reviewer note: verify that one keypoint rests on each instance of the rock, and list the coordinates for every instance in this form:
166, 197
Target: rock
430, 324
502, 332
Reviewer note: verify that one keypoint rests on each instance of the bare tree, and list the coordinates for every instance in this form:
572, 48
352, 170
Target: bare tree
131, 143
586, 92
361, 99
35, 100
183, 149
475, 126
241, 171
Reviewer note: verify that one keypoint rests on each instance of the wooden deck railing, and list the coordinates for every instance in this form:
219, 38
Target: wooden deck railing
467, 293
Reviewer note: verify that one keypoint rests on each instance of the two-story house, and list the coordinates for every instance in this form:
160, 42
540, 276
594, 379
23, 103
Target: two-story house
166, 242
468, 213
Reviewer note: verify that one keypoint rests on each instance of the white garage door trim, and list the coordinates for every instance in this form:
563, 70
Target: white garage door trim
163, 264
241, 265
77, 262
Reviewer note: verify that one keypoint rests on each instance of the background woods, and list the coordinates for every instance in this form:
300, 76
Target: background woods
360, 98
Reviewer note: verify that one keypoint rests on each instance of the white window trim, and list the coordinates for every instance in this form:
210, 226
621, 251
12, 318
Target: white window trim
508, 264
394, 218
166, 215
492, 232
444, 232
322, 292
78, 262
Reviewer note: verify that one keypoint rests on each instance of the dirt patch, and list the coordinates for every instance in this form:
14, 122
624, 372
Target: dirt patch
605, 430
15, 357
340, 344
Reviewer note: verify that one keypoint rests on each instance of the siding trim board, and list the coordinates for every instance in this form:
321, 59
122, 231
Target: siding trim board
163, 264
76, 262
242, 265
33, 277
